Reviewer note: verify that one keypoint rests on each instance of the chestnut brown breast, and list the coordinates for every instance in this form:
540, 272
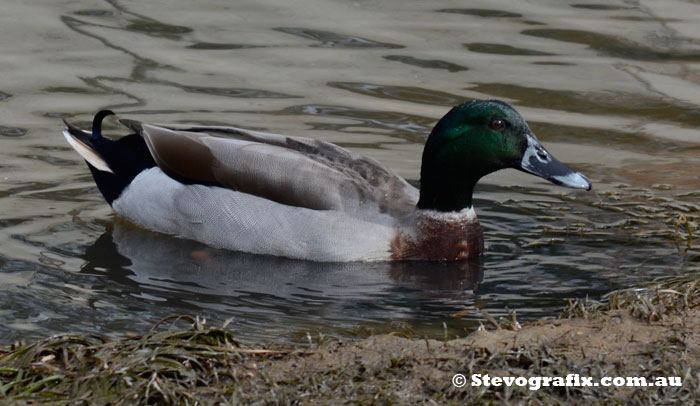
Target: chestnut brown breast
438, 239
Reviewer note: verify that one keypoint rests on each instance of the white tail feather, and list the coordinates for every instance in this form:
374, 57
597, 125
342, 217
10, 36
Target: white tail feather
87, 153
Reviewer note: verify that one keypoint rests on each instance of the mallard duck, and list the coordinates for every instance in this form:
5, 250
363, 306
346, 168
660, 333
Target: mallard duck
309, 199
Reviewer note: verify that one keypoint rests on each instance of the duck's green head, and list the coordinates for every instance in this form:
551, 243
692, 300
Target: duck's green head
475, 139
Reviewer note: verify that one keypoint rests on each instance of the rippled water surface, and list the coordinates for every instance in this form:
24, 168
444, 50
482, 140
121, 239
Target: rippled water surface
610, 87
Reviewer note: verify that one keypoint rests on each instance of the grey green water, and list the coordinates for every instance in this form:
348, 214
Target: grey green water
611, 88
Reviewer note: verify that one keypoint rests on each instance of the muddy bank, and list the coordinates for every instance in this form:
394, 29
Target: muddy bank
650, 332
388, 369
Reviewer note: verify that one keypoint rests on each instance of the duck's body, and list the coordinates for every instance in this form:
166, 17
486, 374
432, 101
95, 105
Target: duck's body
239, 221
286, 196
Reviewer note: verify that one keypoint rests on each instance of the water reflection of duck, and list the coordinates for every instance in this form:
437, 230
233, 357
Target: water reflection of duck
178, 269
307, 199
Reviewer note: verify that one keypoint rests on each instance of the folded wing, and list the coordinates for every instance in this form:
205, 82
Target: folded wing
290, 170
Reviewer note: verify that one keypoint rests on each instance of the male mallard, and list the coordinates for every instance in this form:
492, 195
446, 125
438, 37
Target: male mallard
309, 199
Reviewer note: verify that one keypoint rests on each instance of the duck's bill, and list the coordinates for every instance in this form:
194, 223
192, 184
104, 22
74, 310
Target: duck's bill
538, 161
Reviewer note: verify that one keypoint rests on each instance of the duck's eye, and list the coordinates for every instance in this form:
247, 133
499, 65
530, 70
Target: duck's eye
497, 124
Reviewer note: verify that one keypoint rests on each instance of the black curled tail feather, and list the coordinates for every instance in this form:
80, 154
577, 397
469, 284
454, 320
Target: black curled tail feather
123, 159
97, 123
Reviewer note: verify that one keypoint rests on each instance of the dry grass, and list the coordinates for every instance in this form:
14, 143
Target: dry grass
191, 366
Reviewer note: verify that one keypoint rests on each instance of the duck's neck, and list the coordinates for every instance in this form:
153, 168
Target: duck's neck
445, 195
448, 176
